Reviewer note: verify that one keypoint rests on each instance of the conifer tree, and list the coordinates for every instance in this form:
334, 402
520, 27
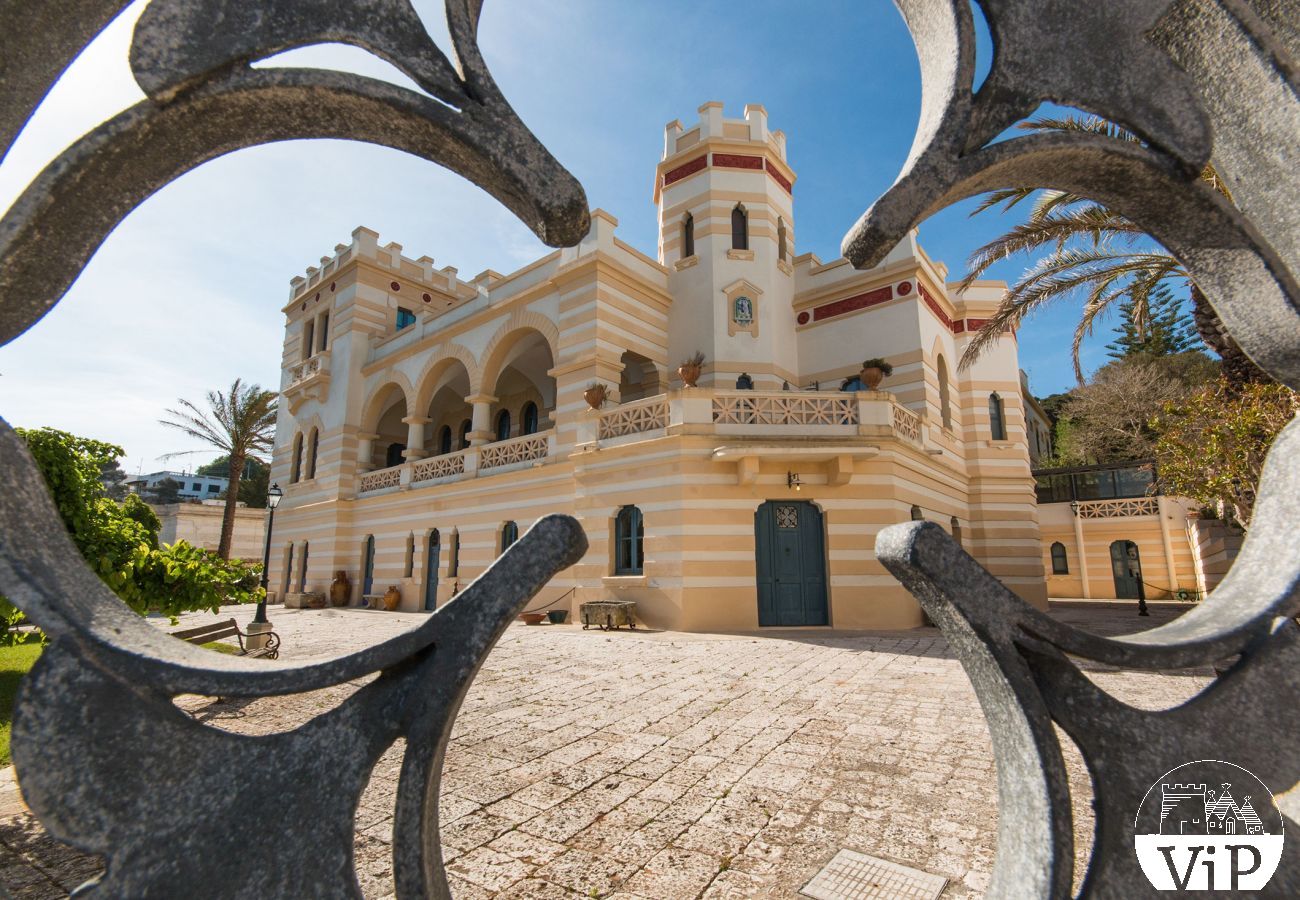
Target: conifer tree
1168, 329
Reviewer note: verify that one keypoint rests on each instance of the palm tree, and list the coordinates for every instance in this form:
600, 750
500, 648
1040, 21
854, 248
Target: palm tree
242, 425
1095, 252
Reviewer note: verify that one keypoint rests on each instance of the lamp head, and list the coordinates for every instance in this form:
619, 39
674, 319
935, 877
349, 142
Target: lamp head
273, 496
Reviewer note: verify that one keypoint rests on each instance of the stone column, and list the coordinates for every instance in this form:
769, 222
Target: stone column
415, 437
365, 450
481, 422
1082, 551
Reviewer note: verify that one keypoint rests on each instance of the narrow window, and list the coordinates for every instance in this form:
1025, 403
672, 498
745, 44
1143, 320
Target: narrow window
997, 421
945, 394
295, 464
312, 446
528, 418
453, 555
393, 456
302, 568
308, 329
956, 529
444, 439
1060, 564
323, 332
288, 567
405, 318
629, 540
509, 534
739, 228
503, 425
688, 236
780, 240
410, 556
464, 433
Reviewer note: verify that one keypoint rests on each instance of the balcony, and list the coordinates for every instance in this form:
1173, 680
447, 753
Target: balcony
487, 459
308, 380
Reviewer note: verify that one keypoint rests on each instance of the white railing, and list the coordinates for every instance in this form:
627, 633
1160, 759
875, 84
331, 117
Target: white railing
444, 466
317, 365
784, 408
516, 450
634, 418
906, 423
1110, 509
380, 479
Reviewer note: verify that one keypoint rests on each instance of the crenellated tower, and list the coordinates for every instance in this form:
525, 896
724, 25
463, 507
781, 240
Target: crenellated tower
726, 233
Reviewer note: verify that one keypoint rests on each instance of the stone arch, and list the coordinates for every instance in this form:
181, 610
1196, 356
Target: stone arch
434, 372
381, 398
497, 354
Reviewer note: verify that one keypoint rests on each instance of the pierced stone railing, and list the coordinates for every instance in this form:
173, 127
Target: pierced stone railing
529, 448
784, 408
1111, 509
907, 424
445, 466
380, 479
309, 378
317, 365
636, 417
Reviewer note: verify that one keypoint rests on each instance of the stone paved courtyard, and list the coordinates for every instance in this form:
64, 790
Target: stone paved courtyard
665, 765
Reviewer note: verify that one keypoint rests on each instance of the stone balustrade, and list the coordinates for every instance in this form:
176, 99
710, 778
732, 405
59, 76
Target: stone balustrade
472, 462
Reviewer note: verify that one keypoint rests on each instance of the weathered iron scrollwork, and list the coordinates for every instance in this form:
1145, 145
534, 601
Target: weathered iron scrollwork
1196, 79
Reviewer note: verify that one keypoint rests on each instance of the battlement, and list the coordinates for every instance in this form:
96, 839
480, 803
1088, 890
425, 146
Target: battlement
365, 245
1169, 789
712, 125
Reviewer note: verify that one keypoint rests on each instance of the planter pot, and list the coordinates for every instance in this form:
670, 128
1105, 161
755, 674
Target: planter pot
871, 377
595, 396
392, 597
532, 618
340, 589
558, 616
689, 374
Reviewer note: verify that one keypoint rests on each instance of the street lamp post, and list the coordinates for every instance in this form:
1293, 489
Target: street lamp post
273, 497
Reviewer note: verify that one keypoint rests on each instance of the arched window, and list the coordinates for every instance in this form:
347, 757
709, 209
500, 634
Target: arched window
410, 556
393, 456
528, 418
464, 433
288, 567
744, 382
368, 566
945, 394
1060, 563
780, 239
997, 421
956, 529
629, 542
509, 534
453, 554
739, 228
444, 439
308, 331
688, 236
313, 445
503, 425
302, 568
295, 463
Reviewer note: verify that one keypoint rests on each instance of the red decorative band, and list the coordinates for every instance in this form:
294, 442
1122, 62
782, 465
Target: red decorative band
850, 304
737, 161
936, 308
959, 326
780, 179
685, 169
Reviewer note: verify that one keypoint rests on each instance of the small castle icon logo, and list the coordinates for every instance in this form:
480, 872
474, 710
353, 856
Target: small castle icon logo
1190, 836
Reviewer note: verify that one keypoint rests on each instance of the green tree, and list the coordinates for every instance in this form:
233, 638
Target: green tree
1212, 445
1089, 250
166, 491
240, 423
114, 480
252, 486
1168, 329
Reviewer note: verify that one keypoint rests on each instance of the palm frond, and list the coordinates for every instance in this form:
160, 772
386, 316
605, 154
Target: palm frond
1072, 123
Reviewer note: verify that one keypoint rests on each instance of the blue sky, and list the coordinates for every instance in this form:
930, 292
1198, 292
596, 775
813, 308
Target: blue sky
185, 295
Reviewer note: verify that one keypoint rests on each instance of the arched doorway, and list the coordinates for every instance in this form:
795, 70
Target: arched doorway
790, 545
1126, 567
516, 374
432, 554
639, 378
368, 567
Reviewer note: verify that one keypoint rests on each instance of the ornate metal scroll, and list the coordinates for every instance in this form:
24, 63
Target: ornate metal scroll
1196, 79
96, 737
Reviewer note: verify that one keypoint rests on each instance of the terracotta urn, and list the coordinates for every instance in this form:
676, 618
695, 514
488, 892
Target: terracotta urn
689, 373
532, 618
340, 589
392, 597
595, 396
871, 377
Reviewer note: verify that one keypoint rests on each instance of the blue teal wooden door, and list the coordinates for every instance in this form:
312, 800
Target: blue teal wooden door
1126, 567
368, 579
791, 564
431, 570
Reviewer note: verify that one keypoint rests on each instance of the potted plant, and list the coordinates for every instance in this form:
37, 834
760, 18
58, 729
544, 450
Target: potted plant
392, 597
594, 395
689, 371
874, 371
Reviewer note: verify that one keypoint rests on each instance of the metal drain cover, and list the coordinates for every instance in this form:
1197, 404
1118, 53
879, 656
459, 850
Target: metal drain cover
856, 876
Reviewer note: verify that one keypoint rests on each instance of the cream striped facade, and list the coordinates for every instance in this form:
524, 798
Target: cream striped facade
369, 442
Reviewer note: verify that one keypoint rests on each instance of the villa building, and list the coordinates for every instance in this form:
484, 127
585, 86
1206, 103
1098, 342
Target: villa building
428, 420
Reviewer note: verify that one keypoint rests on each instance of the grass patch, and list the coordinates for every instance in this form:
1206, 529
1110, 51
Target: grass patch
14, 664
220, 647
